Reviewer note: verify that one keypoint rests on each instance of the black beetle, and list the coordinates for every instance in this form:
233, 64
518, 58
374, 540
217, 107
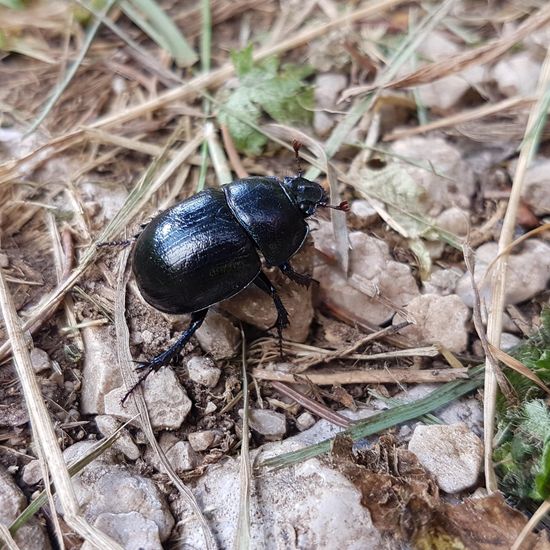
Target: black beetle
207, 248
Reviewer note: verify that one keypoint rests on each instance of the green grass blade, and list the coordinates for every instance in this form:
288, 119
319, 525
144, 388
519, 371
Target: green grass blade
148, 15
385, 419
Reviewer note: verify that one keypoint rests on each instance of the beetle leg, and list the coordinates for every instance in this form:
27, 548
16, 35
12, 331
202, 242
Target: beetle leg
301, 278
263, 283
167, 356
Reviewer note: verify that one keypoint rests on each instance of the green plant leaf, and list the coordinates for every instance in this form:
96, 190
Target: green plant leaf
13, 4
265, 88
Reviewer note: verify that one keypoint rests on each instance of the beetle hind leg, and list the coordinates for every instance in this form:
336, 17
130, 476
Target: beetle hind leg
263, 283
166, 357
301, 278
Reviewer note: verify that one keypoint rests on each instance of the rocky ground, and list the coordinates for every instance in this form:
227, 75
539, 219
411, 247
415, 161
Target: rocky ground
429, 171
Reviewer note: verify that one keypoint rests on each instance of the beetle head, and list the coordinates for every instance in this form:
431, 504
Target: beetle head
307, 194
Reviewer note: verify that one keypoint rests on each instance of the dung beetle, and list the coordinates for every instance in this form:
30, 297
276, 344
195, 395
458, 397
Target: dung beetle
209, 247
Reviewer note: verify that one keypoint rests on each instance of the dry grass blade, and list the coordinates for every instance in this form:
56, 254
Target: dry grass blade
535, 519
136, 200
506, 389
498, 282
7, 539
124, 357
242, 534
148, 15
141, 55
452, 65
219, 162
73, 468
464, 116
518, 366
61, 87
311, 405
218, 76
196, 85
341, 353
329, 377
43, 432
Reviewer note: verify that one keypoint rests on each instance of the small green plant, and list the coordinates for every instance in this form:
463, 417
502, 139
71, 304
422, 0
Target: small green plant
265, 87
522, 456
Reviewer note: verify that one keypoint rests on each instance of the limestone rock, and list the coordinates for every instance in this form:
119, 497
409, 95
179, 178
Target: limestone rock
202, 370
372, 274
528, 273
438, 319
130, 529
448, 160
166, 399
453, 454
218, 336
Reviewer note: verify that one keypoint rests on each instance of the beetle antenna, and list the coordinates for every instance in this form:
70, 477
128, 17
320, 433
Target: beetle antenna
297, 145
343, 206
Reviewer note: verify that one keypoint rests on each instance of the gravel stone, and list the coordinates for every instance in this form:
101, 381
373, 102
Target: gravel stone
218, 336
203, 371
437, 319
452, 454
166, 399
100, 372
270, 424
179, 453
40, 360
200, 441
31, 535
108, 425
528, 273
372, 273
305, 421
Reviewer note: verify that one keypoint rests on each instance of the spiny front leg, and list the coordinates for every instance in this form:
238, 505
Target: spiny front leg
301, 278
166, 357
263, 283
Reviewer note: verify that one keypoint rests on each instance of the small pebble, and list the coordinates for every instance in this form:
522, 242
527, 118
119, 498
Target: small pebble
270, 424
200, 441
305, 421
365, 213
202, 371
451, 453
40, 360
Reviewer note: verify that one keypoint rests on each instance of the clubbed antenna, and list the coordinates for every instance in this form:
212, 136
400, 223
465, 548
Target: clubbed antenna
343, 206
297, 145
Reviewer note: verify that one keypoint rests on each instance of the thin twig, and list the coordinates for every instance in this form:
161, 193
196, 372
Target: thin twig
329, 377
341, 353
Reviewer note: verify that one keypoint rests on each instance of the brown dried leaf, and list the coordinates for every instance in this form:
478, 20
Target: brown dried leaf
477, 524
399, 494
